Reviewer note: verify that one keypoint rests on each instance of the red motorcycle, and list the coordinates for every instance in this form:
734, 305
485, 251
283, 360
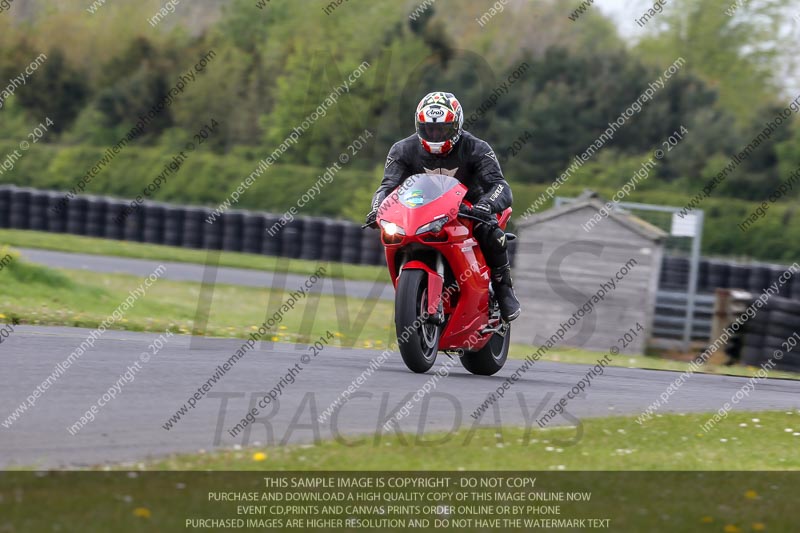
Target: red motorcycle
443, 297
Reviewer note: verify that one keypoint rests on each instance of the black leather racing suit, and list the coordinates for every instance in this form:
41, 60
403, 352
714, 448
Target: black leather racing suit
472, 162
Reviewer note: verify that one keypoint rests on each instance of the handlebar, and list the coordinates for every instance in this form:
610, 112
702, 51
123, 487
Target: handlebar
492, 221
471, 217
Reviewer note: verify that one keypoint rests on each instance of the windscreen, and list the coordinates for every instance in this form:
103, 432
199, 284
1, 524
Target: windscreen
422, 189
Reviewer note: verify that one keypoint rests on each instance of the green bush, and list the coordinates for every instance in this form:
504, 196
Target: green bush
208, 179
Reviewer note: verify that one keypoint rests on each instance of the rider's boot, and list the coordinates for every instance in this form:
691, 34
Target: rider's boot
504, 293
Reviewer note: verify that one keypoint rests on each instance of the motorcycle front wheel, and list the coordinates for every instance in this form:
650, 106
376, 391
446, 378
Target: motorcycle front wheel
417, 338
491, 358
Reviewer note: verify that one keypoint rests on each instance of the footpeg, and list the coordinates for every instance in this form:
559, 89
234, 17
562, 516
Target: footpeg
501, 329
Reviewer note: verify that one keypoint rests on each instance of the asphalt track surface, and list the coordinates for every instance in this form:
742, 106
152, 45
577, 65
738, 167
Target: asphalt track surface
194, 272
129, 428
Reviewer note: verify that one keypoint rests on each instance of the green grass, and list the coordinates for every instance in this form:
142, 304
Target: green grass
715, 365
41, 296
671, 488
656, 477
92, 245
667, 442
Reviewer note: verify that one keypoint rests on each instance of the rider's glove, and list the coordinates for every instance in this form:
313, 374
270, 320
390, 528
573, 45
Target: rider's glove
483, 210
371, 217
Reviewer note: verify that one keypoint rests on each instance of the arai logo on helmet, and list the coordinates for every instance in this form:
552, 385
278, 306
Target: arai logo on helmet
435, 112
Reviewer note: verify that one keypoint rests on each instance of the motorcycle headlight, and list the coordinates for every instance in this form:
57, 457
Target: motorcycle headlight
391, 229
433, 227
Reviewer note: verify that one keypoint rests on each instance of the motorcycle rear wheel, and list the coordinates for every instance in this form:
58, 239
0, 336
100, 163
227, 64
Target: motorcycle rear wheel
491, 358
417, 338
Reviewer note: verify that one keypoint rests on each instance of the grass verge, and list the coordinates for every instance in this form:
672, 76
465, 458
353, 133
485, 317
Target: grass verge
92, 245
37, 295
664, 476
743, 441
715, 365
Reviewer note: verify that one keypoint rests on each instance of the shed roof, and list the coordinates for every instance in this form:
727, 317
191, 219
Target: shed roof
591, 199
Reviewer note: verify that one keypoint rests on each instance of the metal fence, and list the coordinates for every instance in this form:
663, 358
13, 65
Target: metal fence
712, 274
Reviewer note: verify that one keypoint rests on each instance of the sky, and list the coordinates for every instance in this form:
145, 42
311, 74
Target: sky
625, 12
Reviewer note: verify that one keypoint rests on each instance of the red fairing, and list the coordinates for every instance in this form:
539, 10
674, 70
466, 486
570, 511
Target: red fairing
465, 302
435, 284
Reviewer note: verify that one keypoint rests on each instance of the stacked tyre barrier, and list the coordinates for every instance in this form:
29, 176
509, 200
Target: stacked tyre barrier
713, 274
311, 238
672, 300
304, 238
774, 330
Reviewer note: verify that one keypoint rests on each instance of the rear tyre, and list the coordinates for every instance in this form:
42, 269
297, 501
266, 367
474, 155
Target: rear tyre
417, 338
491, 358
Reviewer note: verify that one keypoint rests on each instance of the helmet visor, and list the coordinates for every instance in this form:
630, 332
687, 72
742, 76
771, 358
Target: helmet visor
437, 132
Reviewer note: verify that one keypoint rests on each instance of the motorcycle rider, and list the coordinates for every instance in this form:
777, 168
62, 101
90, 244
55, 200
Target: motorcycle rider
442, 146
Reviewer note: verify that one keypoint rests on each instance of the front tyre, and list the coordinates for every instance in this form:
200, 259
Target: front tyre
417, 338
491, 358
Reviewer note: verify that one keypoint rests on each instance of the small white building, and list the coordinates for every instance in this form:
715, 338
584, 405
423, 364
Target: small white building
587, 284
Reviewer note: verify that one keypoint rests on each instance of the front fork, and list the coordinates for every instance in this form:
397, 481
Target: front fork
436, 304
435, 307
